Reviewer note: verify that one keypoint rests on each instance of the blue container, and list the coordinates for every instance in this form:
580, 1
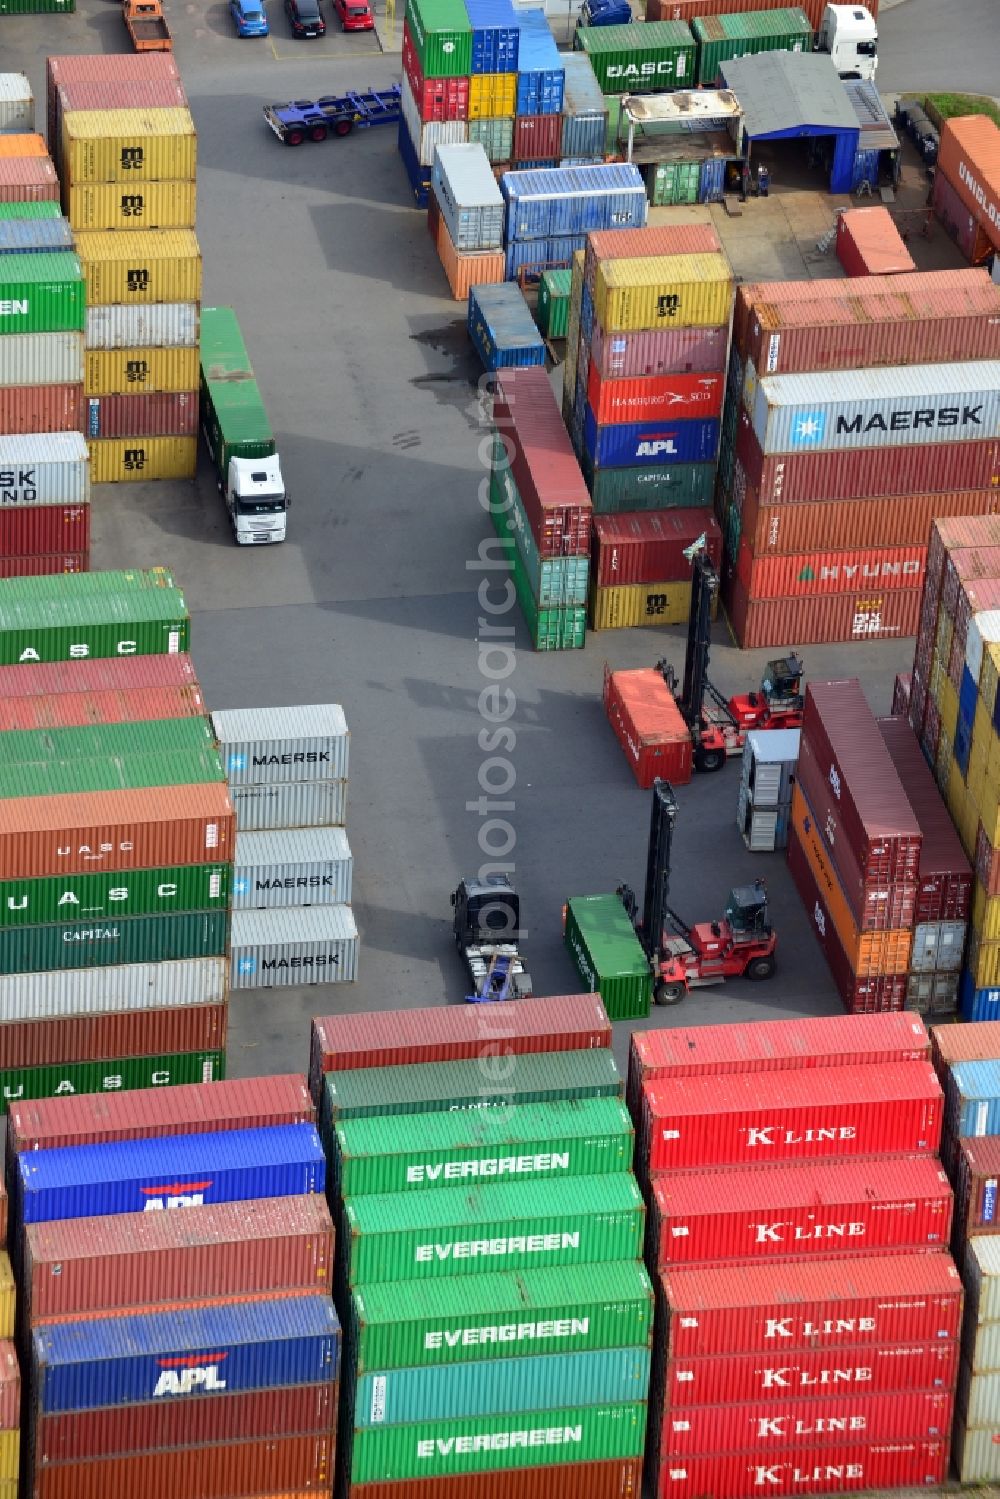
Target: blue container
977, 1004
541, 80
192, 1352
141, 1176
20, 236
865, 169
537, 255
586, 315
558, 201
712, 181
972, 1099
418, 176
501, 328
638, 444
496, 36
585, 114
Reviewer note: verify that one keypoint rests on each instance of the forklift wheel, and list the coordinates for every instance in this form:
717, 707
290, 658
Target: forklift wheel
706, 760
760, 968
668, 994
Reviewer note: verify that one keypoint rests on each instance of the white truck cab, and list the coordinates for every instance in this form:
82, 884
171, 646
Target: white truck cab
849, 34
256, 500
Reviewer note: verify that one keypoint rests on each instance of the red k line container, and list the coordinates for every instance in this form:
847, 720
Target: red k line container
868, 244
96, 674
830, 572
869, 614
808, 1470
162, 414
650, 398
543, 463
834, 1209
657, 351
969, 157
639, 244
766, 1426
537, 137
64, 710
136, 1033
647, 722
648, 546
44, 567
40, 408
900, 520
435, 98
44, 529
944, 889
621, 1479
826, 1113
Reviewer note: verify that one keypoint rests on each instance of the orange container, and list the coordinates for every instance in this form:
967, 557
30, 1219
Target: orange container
902, 520
687, 10
23, 145
830, 570
969, 157
869, 244
462, 270
648, 724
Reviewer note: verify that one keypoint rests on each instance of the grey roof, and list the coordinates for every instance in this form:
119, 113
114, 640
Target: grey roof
877, 133
782, 91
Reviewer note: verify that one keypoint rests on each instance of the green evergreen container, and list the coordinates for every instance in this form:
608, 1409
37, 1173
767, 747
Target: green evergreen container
29, 210
42, 293
496, 136
39, 625
464, 1230
234, 420
442, 37
553, 302
64, 1079
671, 486
99, 943
640, 58
117, 894
744, 33
672, 182
521, 1142
498, 1314
135, 772
607, 954
97, 740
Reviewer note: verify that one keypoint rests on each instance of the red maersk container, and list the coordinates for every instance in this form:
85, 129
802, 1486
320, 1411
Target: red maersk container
655, 398
826, 1113
805, 1373
648, 546
647, 722
838, 1208
767, 1426
809, 1470
944, 891
40, 530
543, 463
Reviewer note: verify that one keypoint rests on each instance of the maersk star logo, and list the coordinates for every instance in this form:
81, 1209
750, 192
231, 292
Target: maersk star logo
246, 965
808, 429
241, 887
236, 762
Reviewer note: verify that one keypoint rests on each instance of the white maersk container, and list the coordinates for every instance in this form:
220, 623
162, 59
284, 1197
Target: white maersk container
47, 468
62, 993
41, 359
435, 133
470, 201
158, 325
268, 746
292, 867
17, 105
290, 804
310, 945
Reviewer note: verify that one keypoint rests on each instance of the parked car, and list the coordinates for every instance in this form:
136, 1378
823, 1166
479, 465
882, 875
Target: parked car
249, 16
305, 17
355, 15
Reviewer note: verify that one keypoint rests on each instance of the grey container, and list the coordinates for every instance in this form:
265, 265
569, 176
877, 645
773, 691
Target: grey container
292, 867
769, 760
44, 468
932, 993
289, 804
585, 110
264, 746
41, 359
764, 829
468, 197
311, 945
119, 988
938, 947
17, 104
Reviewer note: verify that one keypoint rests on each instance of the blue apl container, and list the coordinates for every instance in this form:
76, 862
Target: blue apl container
501, 328
191, 1353
638, 444
20, 236
496, 36
972, 1099
541, 79
418, 176
977, 1004
546, 203
142, 1176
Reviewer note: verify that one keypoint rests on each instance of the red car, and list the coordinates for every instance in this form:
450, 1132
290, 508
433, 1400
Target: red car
355, 15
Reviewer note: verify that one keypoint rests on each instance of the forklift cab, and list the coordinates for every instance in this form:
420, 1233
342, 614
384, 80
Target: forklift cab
782, 683
746, 912
486, 911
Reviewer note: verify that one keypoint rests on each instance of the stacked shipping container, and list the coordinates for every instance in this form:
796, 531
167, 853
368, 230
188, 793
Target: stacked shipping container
966, 192
550, 210
465, 218
10, 1373
689, 10
764, 803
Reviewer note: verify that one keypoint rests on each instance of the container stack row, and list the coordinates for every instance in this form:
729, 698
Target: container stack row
856, 412
465, 217
551, 210
808, 1310
967, 185
287, 774
690, 10
764, 803
497, 1316
955, 711
175, 1259
125, 147
117, 840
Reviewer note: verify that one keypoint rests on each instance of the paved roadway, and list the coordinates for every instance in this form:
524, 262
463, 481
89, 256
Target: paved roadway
948, 45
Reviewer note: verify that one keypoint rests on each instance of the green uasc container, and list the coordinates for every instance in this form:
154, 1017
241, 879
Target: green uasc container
44, 626
442, 37
498, 1314
64, 1079
235, 421
29, 210
484, 1444
744, 33
640, 59
83, 585
671, 486
119, 894
42, 293
607, 954
95, 740
106, 940
465, 1230
553, 302
135, 772
520, 1142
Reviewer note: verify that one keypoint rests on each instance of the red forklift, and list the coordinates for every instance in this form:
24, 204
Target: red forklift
742, 944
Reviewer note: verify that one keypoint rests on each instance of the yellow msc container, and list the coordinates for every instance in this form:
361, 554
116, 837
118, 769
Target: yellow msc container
676, 291
6, 1296
139, 372
131, 205
947, 701
492, 95
10, 1458
967, 824
135, 269
128, 145
626, 605
113, 460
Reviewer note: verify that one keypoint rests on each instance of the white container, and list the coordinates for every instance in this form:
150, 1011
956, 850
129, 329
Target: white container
159, 325
976, 1453
289, 804
769, 760
292, 867
470, 201
47, 468
427, 137
107, 991
932, 993
262, 746
977, 1400
981, 1278
313, 945
938, 947
41, 359
17, 105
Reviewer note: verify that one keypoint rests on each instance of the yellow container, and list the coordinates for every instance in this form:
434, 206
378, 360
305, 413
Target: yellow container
986, 913
23, 145
624, 606
982, 729
937, 671
133, 269
6, 1296
943, 634
968, 826
955, 792
989, 675
130, 205
10, 1456
140, 372
975, 776
676, 291
115, 460
128, 145
947, 701
492, 96
983, 962
989, 811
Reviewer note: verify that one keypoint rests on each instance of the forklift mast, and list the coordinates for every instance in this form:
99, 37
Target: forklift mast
704, 587
656, 912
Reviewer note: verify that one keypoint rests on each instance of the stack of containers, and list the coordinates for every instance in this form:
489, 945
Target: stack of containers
639, 574
497, 1317
437, 65
549, 212
183, 1352
465, 218
856, 412
541, 85
585, 114
639, 59
541, 509
954, 710
764, 804
116, 853
287, 774
688, 10
966, 194
808, 1312
854, 848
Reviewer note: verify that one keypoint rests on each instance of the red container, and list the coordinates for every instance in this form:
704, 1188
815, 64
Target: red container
882, 1300
264, 1465
870, 906
3, 1228
824, 1114
901, 520
766, 1426
40, 408
647, 722
159, 415
812, 1469
648, 546
650, 398
951, 534
28, 179
96, 674
537, 137
945, 880
838, 1208
142, 93
116, 72
969, 157
38, 567
687, 10
110, 1431
435, 98
657, 351
132, 1033
868, 243
40, 530
969, 566
63, 710
640, 244
959, 224
872, 615
543, 463
90, 1266
987, 862
608, 1480
828, 571
976, 1041
10, 1388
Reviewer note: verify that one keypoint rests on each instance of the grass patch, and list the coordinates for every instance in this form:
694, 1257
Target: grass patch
949, 106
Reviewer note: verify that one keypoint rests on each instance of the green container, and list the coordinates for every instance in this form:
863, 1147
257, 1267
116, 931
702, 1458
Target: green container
608, 956
614, 104
744, 33
96, 740
71, 777
496, 136
673, 182
234, 420
41, 293
442, 37
29, 210
65, 1079
464, 1230
549, 629
485, 1444
641, 58
672, 486
499, 1314
42, 626
119, 894
97, 944
525, 1141
553, 302
555, 582
84, 585
36, 7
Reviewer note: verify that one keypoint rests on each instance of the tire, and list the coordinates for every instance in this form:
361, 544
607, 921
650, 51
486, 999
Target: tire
760, 968
318, 133
668, 994
294, 138
343, 127
709, 760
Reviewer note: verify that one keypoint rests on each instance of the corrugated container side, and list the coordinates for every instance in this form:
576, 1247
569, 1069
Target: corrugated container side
307, 944
763, 1426
92, 1038
969, 157
162, 325
302, 1463
621, 1479
869, 615
67, 993
41, 358
779, 530
128, 145
290, 804
41, 408
890, 1465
